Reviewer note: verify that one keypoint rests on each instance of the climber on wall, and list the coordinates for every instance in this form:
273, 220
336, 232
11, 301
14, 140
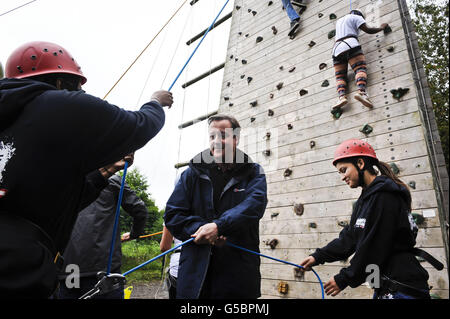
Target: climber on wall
293, 16
381, 235
347, 50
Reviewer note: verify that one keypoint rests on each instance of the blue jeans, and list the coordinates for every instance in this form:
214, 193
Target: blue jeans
291, 12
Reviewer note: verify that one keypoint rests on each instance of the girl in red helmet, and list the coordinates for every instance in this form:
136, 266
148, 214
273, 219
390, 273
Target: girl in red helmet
381, 233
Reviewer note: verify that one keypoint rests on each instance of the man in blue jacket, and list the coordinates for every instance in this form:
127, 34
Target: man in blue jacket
220, 197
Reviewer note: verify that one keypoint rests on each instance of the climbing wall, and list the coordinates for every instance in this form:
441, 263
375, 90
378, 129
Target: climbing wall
281, 90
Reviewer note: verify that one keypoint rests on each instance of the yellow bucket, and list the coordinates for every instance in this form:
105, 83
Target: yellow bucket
127, 292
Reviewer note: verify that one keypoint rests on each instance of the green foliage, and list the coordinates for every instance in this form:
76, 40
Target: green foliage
138, 183
431, 22
136, 252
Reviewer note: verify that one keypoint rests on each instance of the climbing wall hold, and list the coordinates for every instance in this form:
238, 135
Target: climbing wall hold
249, 79
311, 44
287, 172
273, 243
320, 14
271, 95
239, 33
274, 215
238, 7
247, 35
299, 209
259, 39
292, 69
290, 127
254, 13
331, 34
270, 112
252, 119
298, 274
394, 168
281, 68
231, 57
337, 112
325, 83
366, 129
399, 93
303, 92
230, 105
254, 103
283, 287
242, 76
266, 152
418, 218
312, 225
343, 223
412, 184
312, 144
270, 3
274, 30
279, 86
249, 10
387, 30
244, 61
322, 66
390, 48
332, 16
268, 134
226, 98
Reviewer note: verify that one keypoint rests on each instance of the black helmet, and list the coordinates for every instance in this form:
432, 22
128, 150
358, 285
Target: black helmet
358, 13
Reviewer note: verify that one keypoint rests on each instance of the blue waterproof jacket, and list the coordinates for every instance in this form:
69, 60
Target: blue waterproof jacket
232, 273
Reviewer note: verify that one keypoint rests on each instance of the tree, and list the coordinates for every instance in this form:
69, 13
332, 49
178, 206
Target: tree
430, 19
138, 183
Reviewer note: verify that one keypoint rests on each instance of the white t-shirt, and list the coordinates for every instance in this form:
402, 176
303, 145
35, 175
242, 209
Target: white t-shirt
347, 26
174, 259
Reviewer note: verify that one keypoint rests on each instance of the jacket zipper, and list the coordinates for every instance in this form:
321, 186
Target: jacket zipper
209, 253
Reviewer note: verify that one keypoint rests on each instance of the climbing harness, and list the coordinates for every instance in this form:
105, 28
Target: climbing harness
109, 280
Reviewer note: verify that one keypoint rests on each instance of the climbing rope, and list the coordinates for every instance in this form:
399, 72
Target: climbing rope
231, 245
146, 47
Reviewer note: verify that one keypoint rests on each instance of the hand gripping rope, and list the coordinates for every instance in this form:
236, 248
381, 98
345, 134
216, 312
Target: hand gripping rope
107, 276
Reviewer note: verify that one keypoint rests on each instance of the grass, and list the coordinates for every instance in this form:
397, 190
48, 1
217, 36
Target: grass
135, 253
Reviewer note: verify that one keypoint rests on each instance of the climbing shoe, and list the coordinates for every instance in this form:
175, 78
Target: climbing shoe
363, 98
294, 27
341, 102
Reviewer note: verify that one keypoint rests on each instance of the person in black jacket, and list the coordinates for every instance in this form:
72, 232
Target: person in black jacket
381, 233
90, 242
52, 135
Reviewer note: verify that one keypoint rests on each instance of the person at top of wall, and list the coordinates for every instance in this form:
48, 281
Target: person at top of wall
347, 50
293, 16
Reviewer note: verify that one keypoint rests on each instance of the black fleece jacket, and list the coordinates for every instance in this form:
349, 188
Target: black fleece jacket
381, 232
51, 139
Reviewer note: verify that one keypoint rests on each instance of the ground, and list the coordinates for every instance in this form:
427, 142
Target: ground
150, 290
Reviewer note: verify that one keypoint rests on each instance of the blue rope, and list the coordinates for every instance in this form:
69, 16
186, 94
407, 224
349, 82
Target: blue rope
279, 260
116, 221
154, 258
229, 244
195, 50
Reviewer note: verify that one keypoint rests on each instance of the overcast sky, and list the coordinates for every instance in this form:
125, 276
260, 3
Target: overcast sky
105, 36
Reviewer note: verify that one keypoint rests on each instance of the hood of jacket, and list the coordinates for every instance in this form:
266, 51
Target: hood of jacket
385, 184
15, 94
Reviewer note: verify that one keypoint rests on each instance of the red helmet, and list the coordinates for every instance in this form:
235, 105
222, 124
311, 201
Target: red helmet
36, 58
353, 148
